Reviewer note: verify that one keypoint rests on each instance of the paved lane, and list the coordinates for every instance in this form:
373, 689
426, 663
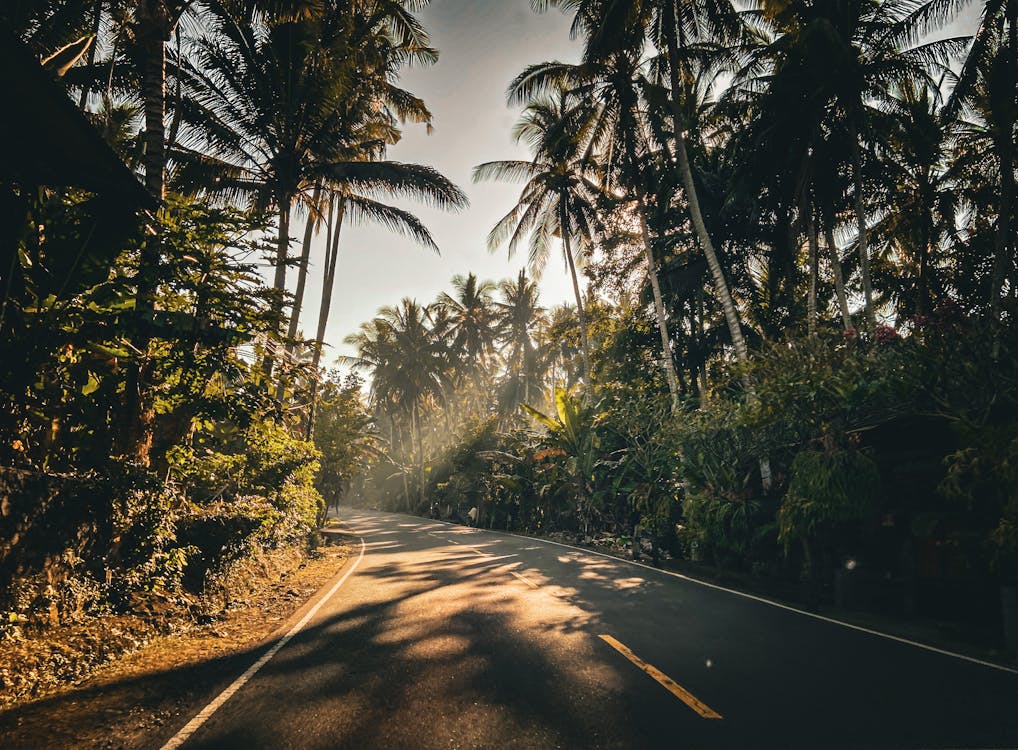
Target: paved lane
447, 637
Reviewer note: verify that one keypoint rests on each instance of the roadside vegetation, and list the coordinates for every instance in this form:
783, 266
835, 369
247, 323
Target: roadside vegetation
794, 358
157, 393
790, 353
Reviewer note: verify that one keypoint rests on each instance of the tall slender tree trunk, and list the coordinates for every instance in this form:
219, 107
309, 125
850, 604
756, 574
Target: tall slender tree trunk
278, 282
811, 297
580, 312
302, 276
839, 277
860, 221
922, 305
720, 284
667, 360
328, 283
314, 213
153, 30
721, 288
97, 15
700, 322
421, 483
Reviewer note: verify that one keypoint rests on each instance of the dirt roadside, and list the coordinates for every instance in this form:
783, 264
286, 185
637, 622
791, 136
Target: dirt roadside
123, 704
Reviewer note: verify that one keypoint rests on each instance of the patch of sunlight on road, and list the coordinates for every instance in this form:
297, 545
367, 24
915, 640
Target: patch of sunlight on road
621, 584
438, 647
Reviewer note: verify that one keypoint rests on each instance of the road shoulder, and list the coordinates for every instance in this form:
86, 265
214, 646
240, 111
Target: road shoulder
141, 696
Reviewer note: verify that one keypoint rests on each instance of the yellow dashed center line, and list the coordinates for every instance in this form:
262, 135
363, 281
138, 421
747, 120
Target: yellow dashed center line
669, 684
525, 579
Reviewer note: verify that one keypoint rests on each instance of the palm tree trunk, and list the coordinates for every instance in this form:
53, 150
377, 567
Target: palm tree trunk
278, 281
839, 277
302, 268
97, 14
811, 297
302, 275
581, 313
154, 30
721, 289
420, 457
328, 282
717, 274
667, 360
860, 221
153, 26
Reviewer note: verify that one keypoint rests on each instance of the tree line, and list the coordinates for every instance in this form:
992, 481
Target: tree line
795, 224
158, 392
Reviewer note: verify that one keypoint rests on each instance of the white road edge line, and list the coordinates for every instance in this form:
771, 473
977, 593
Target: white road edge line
192, 726
744, 595
442, 538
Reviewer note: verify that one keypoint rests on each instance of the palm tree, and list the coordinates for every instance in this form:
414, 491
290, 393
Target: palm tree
520, 318
409, 366
385, 37
617, 30
609, 97
557, 199
270, 116
922, 201
845, 57
471, 320
988, 87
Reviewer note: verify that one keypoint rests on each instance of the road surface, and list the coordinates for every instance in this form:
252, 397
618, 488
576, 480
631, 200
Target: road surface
448, 637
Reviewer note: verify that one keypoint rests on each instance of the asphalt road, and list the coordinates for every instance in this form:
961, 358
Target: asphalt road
448, 637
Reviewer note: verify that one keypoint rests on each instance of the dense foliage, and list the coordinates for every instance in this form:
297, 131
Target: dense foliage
795, 355
157, 396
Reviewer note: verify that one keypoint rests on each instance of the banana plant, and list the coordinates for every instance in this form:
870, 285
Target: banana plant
572, 430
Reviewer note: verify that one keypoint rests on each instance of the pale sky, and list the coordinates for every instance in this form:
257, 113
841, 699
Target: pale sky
483, 44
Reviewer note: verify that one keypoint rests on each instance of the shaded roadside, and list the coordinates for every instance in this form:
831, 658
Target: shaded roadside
132, 696
944, 634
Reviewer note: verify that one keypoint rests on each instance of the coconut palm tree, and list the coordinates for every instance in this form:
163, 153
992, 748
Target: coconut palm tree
922, 202
557, 200
987, 92
270, 116
845, 58
520, 318
617, 30
409, 367
471, 320
609, 96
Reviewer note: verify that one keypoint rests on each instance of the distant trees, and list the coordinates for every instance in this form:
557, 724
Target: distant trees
468, 357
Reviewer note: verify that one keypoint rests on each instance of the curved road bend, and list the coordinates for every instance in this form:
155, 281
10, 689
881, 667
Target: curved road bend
449, 637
